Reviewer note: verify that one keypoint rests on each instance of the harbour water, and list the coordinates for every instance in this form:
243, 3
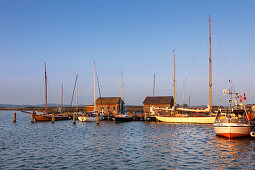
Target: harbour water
131, 145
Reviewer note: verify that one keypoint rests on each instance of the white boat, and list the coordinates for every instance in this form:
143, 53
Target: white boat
92, 116
234, 121
89, 118
187, 119
190, 116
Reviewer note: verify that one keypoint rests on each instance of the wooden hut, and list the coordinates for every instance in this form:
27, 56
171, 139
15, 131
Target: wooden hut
110, 105
157, 105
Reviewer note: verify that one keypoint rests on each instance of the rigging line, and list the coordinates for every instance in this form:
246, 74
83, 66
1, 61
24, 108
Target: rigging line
37, 101
99, 91
224, 59
195, 56
221, 50
74, 90
52, 95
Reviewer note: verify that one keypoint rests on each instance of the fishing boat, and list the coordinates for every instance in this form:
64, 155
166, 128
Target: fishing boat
234, 121
91, 116
45, 116
206, 116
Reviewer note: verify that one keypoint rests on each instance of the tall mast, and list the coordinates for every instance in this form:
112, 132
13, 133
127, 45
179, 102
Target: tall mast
174, 80
62, 98
121, 92
210, 67
77, 95
94, 86
46, 108
154, 85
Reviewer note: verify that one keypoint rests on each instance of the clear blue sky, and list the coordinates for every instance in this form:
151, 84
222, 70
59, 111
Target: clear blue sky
136, 36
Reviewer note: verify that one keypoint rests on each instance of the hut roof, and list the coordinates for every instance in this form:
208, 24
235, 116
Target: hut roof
108, 100
158, 100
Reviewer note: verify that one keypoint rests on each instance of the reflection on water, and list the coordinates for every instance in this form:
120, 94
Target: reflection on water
132, 145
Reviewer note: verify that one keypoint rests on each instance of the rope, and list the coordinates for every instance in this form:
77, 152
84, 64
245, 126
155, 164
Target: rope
52, 95
221, 51
37, 101
74, 90
193, 61
99, 90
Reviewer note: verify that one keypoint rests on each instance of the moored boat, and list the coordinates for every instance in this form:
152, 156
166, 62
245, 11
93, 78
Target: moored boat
123, 118
207, 116
186, 119
92, 116
89, 117
45, 116
48, 117
235, 121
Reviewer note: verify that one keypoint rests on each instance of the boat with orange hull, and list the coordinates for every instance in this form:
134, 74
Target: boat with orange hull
45, 116
48, 117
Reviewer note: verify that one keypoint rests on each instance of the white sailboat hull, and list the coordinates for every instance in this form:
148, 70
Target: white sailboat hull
205, 120
89, 119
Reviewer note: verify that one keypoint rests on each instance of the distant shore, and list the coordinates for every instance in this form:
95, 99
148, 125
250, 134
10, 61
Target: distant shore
65, 109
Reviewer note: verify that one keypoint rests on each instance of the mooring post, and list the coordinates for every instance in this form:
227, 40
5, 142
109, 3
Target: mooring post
145, 116
74, 118
14, 117
97, 119
52, 118
32, 118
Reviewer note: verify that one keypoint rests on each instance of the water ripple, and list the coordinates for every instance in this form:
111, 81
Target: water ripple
133, 145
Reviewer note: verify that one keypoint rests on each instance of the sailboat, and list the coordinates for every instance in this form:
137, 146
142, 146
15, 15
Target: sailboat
45, 116
206, 115
91, 116
122, 117
234, 121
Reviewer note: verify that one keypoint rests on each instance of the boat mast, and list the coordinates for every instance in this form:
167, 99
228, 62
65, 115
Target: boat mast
174, 79
121, 93
77, 95
94, 86
154, 85
62, 99
210, 67
46, 108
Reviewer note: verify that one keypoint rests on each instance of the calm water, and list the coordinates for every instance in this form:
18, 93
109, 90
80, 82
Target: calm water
132, 145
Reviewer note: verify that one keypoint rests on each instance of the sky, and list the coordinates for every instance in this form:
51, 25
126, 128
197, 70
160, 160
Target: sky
134, 36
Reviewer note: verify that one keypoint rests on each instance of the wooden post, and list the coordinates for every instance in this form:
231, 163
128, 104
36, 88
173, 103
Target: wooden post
74, 119
32, 118
145, 116
14, 117
52, 118
97, 119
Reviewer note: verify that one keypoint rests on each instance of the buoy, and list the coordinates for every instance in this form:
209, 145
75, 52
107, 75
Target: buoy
252, 134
